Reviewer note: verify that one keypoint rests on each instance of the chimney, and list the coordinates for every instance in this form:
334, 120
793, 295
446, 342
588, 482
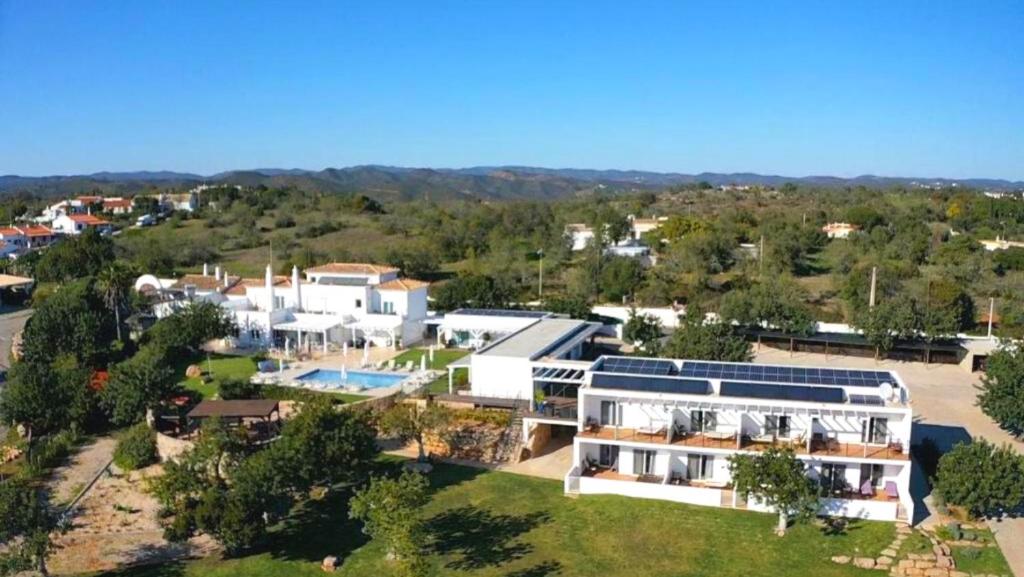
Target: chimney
206, 269
297, 287
270, 289
216, 272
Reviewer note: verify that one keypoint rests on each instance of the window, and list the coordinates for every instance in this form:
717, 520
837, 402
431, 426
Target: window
643, 462
610, 414
704, 421
833, 478
875, 430
776, 425
872, 473
700, 466
359, 303
278, 302
608, 456
389, 307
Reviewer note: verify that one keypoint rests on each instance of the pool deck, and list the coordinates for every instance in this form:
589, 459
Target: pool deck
352, 362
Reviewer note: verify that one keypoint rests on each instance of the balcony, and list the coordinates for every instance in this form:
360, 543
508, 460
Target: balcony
728, 440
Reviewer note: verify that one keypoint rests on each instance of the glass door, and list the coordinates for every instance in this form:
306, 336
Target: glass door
608, 456
609, 410
643, 462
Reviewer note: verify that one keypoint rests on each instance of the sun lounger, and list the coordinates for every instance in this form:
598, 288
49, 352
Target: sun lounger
891, 491
866, 489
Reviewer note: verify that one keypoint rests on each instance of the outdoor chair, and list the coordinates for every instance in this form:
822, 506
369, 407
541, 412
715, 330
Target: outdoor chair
867, 489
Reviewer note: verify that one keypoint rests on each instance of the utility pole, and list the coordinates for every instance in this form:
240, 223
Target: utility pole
874, 280
760, 258
991, 313
540, 275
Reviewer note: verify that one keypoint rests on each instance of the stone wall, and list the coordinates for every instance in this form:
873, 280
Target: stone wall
170, 448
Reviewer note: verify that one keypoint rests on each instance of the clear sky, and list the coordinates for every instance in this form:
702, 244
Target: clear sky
901, 88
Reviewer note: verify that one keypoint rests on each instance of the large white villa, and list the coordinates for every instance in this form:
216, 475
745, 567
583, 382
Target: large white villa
664, 429
333, 304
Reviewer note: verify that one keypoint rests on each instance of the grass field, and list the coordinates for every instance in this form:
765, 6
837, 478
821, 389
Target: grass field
219, 367
988, 560
488, 524
442, 358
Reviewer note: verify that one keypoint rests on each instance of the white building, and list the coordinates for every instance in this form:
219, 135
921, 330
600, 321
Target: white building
335, 303
1000, 244
74, 224
475, 328
20, 239
839, 229
664, 429
582, 235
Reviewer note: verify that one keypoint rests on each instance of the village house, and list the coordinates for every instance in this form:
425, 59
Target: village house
74, 224
839, 229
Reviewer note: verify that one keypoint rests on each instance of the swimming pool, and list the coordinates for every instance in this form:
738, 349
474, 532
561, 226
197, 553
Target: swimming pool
363, 379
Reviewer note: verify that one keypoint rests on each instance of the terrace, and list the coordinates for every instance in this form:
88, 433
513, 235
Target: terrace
728, 440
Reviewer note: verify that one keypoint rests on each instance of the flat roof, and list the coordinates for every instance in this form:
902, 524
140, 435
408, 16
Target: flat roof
234, 409
537, 339
11, 281
501, 313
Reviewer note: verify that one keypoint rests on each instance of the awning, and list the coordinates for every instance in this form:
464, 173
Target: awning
310, 323
376, 322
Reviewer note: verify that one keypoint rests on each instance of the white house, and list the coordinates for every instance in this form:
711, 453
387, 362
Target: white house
582, 235
334, 303
664, 429
839, 229
475, 328
21, 238
73, 224
1000, 244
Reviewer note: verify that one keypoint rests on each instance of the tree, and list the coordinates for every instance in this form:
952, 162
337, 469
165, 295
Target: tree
138, 384
471, 290
619, 277
779, 480
983, 479
189, 328
576, 306
892, 319
234, 388
78, 257
772, 303
698, 339
409, 423
115, 282
136, 448
1001, 393
48, 396
642, 329
25, 526
73, 321
389, 510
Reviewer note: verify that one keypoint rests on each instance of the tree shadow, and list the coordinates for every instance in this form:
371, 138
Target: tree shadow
168, 569
544, 569
478, 538
840, 526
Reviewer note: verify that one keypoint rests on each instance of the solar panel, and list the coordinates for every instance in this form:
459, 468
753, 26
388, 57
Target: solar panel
867, 400
796, 375
500, 313
638, 366
651, 384
781, 392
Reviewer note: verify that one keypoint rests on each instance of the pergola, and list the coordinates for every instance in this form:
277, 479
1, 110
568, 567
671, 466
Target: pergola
377, 326
15, 282
308, 324
235, 412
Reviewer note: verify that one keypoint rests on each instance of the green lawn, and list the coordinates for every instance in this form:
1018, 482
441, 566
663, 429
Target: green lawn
442, 358
489, 524
219, 367
989, 560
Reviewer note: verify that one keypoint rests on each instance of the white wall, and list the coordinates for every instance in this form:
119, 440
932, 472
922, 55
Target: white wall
501, 377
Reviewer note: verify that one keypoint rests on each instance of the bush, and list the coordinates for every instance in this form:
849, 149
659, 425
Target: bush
238, 389
50, 452
136, 448
971, 553
284, 221
954, 530
981, 478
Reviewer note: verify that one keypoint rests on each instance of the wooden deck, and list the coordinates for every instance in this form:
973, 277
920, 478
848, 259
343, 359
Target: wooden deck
705, 441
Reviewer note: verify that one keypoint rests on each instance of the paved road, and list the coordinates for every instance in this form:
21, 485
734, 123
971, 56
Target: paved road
943, 400
11, 321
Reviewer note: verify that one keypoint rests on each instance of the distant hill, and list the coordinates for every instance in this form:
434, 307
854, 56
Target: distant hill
482, 182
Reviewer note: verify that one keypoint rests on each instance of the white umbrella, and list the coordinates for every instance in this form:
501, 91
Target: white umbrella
287, 346
366, 351
431, 355
423, 363
344, 349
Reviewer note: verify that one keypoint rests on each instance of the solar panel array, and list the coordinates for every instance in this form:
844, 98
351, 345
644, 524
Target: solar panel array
651, 384
500, 313
781, 392
795, 375
873, 400
638, 366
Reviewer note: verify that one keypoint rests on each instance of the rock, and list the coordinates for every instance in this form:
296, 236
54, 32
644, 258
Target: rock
936, 572
906, 563
330, 564
891, 552
944, 562
941, 549
841, 559
194, 371
924, 564
864, 562
883, 561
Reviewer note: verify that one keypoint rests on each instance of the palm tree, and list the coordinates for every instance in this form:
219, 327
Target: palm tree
115, 283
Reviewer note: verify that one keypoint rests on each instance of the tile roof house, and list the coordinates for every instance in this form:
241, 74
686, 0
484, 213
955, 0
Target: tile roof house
73, 224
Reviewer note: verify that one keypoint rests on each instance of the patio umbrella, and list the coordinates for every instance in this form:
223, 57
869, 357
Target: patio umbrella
431, 355
423, 363
344, 349
366, 351
287, 346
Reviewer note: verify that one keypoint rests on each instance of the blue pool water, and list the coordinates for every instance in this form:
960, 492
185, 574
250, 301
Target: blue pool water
361, 378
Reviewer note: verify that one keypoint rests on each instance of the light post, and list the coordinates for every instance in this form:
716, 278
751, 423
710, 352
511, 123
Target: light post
540, 275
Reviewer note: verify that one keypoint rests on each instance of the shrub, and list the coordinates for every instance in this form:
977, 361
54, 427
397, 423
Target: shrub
238, 389
971, 553
981, 478
954, 530
136, 448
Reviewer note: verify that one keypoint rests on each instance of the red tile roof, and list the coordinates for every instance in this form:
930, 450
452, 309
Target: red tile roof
35, 230
88, 219
402, 284
352, 268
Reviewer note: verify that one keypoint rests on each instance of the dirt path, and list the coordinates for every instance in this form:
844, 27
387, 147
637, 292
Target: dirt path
69, 479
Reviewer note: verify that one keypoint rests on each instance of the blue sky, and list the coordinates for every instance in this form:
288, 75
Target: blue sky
894, 88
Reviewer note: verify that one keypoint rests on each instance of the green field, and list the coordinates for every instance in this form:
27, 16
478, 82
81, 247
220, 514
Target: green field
489, 524
442, 358
988, 560
219, 368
